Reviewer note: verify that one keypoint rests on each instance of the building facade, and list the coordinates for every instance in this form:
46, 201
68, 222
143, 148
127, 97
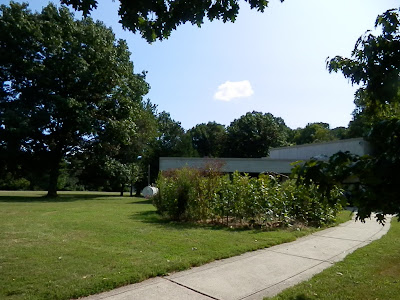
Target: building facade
279, 161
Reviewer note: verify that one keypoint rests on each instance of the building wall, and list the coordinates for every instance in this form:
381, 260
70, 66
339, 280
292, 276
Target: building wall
304, 152
248, 165
279, 161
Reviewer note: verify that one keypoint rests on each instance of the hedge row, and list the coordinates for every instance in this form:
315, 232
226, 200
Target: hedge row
189, 194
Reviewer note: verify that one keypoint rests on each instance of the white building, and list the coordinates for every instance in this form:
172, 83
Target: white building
280, 159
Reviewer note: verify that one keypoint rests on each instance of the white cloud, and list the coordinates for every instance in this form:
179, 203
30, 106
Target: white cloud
230, 90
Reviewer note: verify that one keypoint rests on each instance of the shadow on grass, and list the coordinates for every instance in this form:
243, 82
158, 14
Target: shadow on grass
142, 201
152, 217
300, 297
37, 197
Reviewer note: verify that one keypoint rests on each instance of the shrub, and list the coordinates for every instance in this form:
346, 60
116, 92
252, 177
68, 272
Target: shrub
9, 182
177, 190
308, 205
189, 194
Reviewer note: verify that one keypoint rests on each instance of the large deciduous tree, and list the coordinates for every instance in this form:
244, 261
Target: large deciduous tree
110, 164
253, 134
156, 19
171, 136
209, 139
65, 84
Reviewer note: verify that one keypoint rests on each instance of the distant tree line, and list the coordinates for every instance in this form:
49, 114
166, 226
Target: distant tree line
253, 134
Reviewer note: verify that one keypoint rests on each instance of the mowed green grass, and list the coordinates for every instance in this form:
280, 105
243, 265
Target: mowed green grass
85, 243
372, 272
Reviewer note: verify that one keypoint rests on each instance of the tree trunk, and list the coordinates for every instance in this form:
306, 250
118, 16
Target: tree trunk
131, 190
122, 190
54, 173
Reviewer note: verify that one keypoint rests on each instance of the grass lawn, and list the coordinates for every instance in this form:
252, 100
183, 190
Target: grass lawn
85, 243
372, 272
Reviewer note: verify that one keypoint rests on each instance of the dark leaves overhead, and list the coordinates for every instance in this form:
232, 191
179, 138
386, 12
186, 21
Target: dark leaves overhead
156, 19
375, 63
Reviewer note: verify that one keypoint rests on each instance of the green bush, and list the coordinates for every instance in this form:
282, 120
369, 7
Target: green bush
308, 205
189, 194
9, 182
178, 196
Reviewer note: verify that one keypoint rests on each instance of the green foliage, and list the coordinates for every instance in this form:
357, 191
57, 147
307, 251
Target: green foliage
176, 187
202, 195
371, 182
209, 139
9, 182
254, 133
170, 135
66, 86
314, 133
375, 66
110, 165
169, 140
379, 175
157, 19
340, 133
359, 126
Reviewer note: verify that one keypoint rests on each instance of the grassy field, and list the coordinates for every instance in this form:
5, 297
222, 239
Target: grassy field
85, 243
372, 272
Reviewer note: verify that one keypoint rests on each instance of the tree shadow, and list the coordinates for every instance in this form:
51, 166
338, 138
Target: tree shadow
40, 197
152, 217
143, 201
300, 297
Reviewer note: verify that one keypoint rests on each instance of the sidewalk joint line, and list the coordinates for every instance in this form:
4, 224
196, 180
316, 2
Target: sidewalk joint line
189, 288
275, 284
350, 250
342, 239
295, 255
217, 263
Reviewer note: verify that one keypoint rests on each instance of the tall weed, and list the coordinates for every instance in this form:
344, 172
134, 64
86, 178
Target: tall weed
190, 194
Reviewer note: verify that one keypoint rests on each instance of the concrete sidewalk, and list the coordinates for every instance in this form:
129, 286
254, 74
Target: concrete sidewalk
257, 274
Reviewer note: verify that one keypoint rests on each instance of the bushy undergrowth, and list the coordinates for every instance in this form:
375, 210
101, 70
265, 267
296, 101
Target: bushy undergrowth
190, 194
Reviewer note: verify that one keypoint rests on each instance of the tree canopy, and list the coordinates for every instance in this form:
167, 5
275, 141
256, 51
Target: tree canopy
65, 85
253, 134
375, 66
209, 139
314, 133
156, 19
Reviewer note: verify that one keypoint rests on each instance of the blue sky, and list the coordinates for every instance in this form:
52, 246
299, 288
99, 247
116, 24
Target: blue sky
270, 62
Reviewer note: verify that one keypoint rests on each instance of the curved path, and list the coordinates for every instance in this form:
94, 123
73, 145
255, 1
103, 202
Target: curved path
257, 274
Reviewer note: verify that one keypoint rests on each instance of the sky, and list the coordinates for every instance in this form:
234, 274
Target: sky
271, 62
